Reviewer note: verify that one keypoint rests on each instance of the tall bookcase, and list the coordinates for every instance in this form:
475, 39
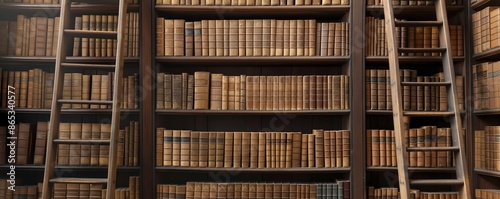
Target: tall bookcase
482, 178
30, 174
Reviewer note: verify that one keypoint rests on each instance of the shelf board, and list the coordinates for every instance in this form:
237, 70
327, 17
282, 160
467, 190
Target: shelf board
263, 170
17, 59
489, 55
411, 11
68, 111
488, 172
487, 112
413, 169
480, 4
55, 8
410, 59
251, 112
245, 11
79, 168
238, 60
389, 112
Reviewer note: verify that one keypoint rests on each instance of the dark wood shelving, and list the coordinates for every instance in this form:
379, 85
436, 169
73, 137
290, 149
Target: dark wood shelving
302, 170
412, 59
251, 112
489, 55
411, 11
258, 11
412, 169
487, 112
280, 60
69, 111
389, 112
488, 172
55, 8
480, 4
18, 59
77, 168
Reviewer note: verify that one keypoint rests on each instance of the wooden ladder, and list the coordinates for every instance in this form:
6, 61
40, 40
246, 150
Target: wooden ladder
66, 36
400, 116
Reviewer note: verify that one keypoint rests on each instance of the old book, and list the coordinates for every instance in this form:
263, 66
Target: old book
346, 148
167, 91
185, 140
288, 149
258, 30
176, 148
225, 92
212, 149
286, 37
376, 146
201, 90
310, 151
237, 149
63, 149
105, 89
261, 150
189, 38
160, 36
216, 92
275, 92
243, 92
194, 149
237, 93
159, 146
75, 149
203, 149
197, 38
245, 149
231, 93
168, 44
254, 149
179, 40
177, 91
413, 139
319, 147
219, 37
219, 150
105, 134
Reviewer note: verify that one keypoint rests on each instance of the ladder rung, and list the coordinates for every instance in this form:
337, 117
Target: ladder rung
85, 102
437, 182
422, 50
432, 149
417, 23
428, 113
96, 142
95, 66
96, 1
92, 33
425, 83
80, 180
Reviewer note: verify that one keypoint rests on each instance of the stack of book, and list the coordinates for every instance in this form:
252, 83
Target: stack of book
415, 98
252, 2
381, 147
63, 190
247, 37
321, 149
486, 85
35, 89
338, 189
203, 91
389, 192
485, 27
32, 144
487, 148
410, 37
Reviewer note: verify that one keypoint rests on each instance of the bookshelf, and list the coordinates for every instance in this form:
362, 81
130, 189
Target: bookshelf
484, 177
30, 174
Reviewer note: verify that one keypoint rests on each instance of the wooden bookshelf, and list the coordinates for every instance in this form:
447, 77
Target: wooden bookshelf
15, 59
252, 170
485, 172
410, 60
480, 4
251, 112
489, 55
73, 168
268, 60
69, 111
412, 169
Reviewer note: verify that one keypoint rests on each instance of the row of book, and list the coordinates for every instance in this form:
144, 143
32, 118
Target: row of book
415, 98
410, 37
485, 29
381, 147
96, 47
63, 190
34, 89
252, 2
215, 91
487, 193
185, 148
486, 85
411, 2
38, 36
46, 1
393, 193
31, 144
487, 148
247, 37
335, 190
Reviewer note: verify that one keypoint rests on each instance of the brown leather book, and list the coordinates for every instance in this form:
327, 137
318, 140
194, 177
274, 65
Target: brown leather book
420, 134
189, 38
219, 37
428, 143
241, 37
75, 149
279, 39
159, 146
274, 156
226, 37
254, 149
216, 92
237, 149
388, 148
212, 149
286, 37
311, 150
288, 149
160, 37
336, 92
427, 94
233, 37
262, 91
201, 90
268, 154
381, 90
249, 38
382, 149
346, 137
294, 26
312, 92
225, 92
275, 92
249, 89
319, 92
219, 149
76, 89
237, 93
212, 36
185, 139
266, 37
258, 27
104, 150
176, 91
420, 39
281, 93
267, 94
319, 147
203, 152
63, 149
105, 89
304, 151
427, 39
369, 153
228, 149
179, 40
376, 154
245, 149
160, 91
176, 148
305, 92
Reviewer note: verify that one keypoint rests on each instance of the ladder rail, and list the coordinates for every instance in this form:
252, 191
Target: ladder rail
397, 106
456, 122
115, 117
50, 159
